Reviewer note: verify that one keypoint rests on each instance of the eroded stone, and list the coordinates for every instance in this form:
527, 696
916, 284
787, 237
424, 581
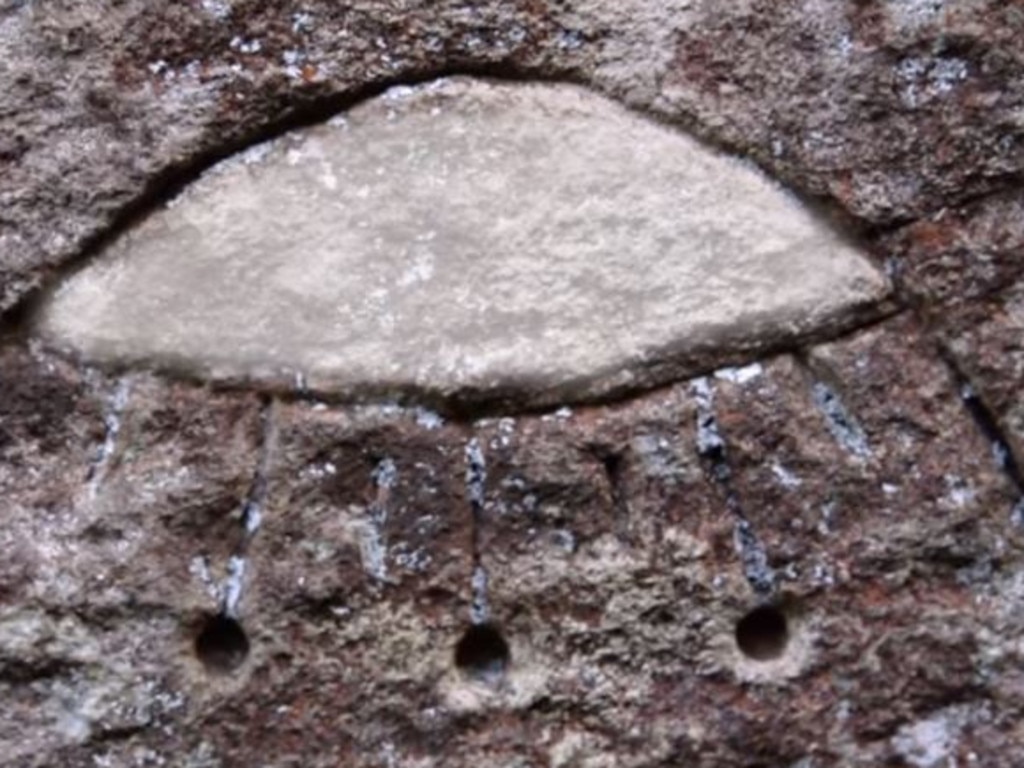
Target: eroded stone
892, 110
986, 338
961, 255
474, 239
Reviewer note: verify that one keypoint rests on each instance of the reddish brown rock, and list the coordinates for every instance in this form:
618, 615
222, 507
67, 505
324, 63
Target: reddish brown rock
358, 588
623, 544
960, 254
606, 583
986, 340
107, 508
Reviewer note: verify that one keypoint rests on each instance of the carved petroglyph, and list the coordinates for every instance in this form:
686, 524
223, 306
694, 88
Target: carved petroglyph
471, 239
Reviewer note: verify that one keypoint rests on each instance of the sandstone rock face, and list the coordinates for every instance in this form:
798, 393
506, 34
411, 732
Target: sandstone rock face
810, 558
469, 240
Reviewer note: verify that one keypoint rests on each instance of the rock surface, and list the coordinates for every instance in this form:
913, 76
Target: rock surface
468, 240
814, 559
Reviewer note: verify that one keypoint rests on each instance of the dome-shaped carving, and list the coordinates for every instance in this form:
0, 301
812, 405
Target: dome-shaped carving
471, 239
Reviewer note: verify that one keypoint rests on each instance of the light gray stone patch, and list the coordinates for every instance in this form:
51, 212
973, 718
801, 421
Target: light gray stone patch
468, 239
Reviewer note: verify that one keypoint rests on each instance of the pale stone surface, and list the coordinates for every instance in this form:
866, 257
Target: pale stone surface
473, 239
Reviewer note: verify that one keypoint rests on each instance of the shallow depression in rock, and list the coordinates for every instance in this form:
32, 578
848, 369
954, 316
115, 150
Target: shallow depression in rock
222, 644
763, 633
483, 653
466, 236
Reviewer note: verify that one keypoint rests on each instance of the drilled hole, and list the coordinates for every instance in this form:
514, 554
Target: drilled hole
763, 633
482, 653
222, 644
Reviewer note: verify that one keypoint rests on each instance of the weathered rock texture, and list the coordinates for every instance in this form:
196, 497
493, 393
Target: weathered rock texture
198, 577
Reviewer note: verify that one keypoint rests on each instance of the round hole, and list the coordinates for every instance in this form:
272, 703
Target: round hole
222, 644
482, 653
763, 633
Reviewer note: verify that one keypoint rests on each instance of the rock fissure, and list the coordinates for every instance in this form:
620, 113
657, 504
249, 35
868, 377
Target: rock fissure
476, 495
375, 539
988, 425
255, 500
712, 448
614, 471
232, 589
843, 426
106, 452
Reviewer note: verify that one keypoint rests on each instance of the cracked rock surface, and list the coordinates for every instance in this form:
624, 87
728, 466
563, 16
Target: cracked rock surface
811, 559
